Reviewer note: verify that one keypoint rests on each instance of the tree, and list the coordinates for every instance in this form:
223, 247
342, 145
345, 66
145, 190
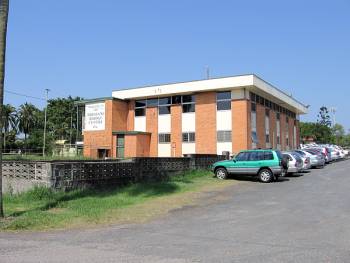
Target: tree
323, 117
9, 120
4, 10
29, 119
320, 132
338, 132
62, 118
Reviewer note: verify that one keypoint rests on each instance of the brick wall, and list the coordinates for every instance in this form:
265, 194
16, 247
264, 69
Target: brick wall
152, 127
273, 130
206, 123
260, 126
131, 115
241, 139
116, 115
176, 130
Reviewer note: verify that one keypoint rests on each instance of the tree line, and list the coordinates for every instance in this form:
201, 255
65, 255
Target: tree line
23, 127
322, 131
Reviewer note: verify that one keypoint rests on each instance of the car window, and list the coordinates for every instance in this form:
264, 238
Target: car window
268, 156
242, 156
279, 154
256, 156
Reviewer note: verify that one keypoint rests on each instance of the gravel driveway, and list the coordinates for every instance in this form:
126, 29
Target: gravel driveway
300, 219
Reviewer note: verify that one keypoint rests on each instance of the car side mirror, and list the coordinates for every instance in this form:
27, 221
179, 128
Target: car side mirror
234, 160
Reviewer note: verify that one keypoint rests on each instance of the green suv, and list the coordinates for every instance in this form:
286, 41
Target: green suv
268, 165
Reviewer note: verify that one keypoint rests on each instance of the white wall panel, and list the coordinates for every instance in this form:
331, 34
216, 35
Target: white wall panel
164, 150
224, 120
164, 123
224, 146
189, 122
140, 123
188, 148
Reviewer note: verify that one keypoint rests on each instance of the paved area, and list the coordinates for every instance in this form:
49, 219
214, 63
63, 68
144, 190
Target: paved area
301, 219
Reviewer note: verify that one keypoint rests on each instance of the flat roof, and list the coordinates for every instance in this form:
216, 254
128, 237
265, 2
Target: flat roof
250, 82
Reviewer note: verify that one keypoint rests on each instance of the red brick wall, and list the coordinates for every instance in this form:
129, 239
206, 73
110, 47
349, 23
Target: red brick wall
241, 133
176, 130
131, 115
116, 118
152, 127
273, 130
206, 123
260, 126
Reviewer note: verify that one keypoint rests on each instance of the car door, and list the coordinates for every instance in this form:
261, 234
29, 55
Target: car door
255, 161
239, 163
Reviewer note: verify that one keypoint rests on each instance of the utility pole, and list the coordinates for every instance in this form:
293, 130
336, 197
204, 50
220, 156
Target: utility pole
46, 97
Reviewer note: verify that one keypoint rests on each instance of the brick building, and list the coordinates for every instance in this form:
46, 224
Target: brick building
205, 117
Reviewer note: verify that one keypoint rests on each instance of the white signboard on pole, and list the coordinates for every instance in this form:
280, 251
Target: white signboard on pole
95, 117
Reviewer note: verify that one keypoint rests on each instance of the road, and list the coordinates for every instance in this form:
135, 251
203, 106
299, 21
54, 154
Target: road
300, 219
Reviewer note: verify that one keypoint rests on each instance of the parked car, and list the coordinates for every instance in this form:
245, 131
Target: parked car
295, 163
324, 150
306, 161
267, 165
316, 158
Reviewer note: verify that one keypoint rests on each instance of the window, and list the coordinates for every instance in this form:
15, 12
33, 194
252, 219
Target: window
252, 96
188, 137
287, 141
164, 137
278, 140
256, 156
267, 112
267, 138
188, 108
188, 103
242, 156
188, 99
176, 99
223, 105
254, 137
140, 112
268, 155
152, 102
140, 108
164, 110
224, 136
223, 100
278, 116
164, 101
253, 107
164, 105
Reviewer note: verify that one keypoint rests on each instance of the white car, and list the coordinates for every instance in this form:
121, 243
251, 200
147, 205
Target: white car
316, 158
295, 163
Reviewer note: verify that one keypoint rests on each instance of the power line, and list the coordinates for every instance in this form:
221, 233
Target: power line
24, 95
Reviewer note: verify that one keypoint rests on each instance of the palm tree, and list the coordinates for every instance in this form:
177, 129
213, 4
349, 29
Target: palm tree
9, 120
28, 119
4, 11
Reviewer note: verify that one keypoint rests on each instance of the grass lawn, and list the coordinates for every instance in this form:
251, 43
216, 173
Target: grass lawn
43, 209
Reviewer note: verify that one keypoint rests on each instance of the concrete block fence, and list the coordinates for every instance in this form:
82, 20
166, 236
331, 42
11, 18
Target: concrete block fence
19, 176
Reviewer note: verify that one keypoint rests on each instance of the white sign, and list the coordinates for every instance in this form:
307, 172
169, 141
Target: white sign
95, 117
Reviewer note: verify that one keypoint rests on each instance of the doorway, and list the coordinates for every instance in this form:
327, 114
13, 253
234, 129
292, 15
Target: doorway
120, 146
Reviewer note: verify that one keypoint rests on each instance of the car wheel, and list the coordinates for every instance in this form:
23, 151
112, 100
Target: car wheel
221, 173
265, 176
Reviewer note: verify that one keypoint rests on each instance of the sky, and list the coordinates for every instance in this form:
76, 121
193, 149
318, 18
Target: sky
88, 48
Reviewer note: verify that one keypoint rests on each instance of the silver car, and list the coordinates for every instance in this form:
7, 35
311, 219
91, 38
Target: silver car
316, 158
295, 163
